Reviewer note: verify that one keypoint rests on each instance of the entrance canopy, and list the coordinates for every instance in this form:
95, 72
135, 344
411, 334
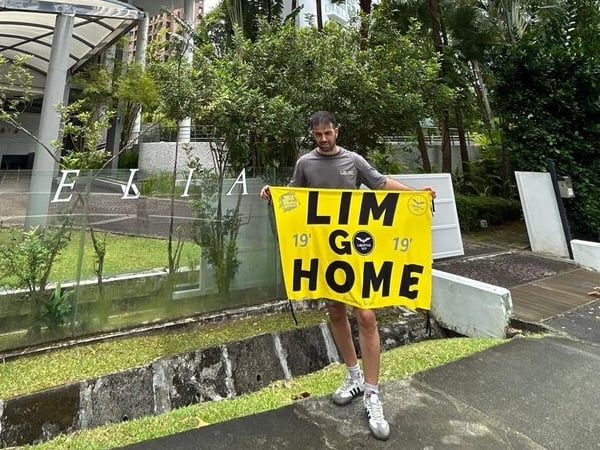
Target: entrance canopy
27, 28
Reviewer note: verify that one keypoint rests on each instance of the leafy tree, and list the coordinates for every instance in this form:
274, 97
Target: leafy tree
124, 92
135, 91
176, 81
15, 88
241, 17
28, 256
218, 226
84, 130
260, 95
549, 98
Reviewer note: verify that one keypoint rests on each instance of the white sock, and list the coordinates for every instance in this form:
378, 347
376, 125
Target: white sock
371, 388
354, 371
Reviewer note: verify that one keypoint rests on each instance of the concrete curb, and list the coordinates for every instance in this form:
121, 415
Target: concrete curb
469, 307
214, 373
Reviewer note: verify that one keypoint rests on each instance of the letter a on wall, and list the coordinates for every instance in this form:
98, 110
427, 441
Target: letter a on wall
368, 249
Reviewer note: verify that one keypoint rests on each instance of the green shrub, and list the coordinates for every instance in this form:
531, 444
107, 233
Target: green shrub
494, 210
128, 159
56, 309
160, 184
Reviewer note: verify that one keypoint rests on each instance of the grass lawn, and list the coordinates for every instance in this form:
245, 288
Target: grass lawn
124, 254
397, 363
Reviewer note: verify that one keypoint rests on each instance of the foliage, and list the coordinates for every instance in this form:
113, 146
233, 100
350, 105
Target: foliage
125, 90
485, 170
549, 98
133, 90
85, 131
217, 226
176, 85
260, 94
27, 256
385, 161
159, 183
128, 159
93, 86
494, 210
56, 309
15, 86
241, 17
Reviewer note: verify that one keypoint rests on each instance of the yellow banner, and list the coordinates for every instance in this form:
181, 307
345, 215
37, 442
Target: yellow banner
368, 249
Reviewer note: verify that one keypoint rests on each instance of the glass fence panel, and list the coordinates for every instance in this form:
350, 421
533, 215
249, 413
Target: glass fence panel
84, 253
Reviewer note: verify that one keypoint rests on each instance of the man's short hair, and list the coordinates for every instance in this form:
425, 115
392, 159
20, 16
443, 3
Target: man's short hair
322, 118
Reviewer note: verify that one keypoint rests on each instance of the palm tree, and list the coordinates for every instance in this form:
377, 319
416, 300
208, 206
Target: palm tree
509, 21
429, 13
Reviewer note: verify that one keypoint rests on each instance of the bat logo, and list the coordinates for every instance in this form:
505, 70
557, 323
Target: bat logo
363, 242
418, 205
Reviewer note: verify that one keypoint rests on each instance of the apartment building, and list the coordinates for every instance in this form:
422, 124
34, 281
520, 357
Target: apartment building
161, 26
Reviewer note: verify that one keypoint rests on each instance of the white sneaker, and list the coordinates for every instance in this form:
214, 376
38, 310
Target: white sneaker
348, 390
379, 427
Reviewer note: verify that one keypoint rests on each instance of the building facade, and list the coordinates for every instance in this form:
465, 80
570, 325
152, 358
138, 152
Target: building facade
161, 26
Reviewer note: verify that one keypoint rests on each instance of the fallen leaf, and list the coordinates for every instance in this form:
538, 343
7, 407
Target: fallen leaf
300, 396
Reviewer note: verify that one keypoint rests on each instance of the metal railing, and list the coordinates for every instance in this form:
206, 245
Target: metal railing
198, 133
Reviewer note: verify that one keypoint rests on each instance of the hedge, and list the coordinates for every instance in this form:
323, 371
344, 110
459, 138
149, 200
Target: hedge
494, 210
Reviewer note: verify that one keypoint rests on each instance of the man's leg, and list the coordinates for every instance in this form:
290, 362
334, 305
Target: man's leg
353, 384
370, 349
342, 334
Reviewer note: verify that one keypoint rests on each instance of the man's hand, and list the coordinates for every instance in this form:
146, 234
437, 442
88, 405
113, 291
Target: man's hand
393, 184
430, 189
265, 193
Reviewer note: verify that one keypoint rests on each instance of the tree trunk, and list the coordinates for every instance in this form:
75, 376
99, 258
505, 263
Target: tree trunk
482, 93
446, 144
436, 27
436, 33
365, 8
319, 15
464, 149
423, 149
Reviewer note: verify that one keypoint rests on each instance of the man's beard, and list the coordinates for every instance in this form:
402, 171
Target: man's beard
327, 147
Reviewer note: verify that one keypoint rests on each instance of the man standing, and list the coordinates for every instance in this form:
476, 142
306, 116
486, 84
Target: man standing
331, 166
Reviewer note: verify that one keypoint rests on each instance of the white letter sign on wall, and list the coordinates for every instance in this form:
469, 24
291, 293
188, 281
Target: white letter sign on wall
241, 179
65, 174
131, 187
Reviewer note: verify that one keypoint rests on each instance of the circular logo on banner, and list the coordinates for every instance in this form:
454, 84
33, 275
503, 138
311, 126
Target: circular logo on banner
363, 242
417, 205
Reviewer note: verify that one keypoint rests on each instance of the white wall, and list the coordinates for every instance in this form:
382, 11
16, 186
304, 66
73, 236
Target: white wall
160, 156
540, 210
15, 142
341, 12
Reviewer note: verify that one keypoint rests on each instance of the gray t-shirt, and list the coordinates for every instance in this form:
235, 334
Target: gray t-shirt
344, 170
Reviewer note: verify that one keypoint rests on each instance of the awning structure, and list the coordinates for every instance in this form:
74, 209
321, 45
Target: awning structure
57, 37
27, 28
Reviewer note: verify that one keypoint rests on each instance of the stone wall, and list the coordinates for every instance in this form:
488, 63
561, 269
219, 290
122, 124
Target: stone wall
218, 372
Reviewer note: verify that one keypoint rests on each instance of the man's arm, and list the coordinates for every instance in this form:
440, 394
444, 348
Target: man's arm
394, 185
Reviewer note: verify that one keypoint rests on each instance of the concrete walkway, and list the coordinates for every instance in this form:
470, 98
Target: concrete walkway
529, 393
